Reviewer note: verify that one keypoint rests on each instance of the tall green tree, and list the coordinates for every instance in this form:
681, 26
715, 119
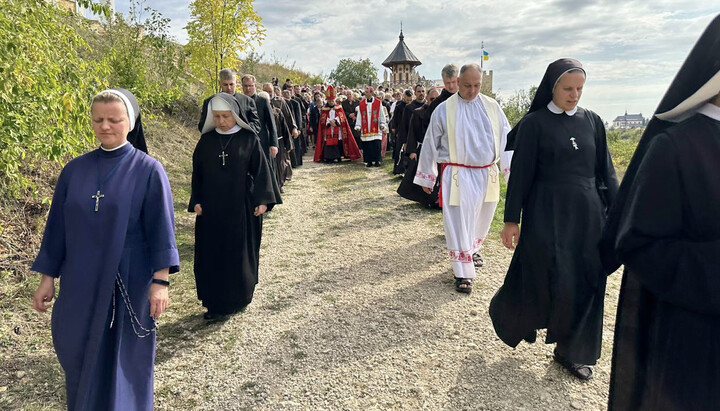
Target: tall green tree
219, 31
351, 72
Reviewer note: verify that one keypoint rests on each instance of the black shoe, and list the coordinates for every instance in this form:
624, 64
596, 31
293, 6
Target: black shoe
477, 260
581, 371
378, 164
210, 316
531, 337
368, 165
463, 285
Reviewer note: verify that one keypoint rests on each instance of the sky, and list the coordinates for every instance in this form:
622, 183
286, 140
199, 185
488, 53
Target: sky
630, 50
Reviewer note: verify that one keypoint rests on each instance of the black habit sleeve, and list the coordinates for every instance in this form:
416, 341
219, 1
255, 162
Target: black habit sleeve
605, 169
262, 189
196, 181
653, 241
522, 171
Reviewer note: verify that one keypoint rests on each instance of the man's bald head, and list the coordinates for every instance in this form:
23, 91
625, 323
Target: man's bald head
268, 88
470, 81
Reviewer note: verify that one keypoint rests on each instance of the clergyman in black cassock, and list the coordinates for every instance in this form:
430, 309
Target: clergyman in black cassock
268, 130
404, 125
298, 141
419, 123
231, 187
282, 160
556, 279
395, 122
665, 228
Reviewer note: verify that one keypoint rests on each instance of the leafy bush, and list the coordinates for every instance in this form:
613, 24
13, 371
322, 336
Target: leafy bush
142, 56
53, 62
46, 89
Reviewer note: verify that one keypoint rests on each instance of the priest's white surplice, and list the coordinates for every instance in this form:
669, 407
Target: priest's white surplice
466, 224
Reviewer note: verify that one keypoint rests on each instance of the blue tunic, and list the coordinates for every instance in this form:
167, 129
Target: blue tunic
131, 233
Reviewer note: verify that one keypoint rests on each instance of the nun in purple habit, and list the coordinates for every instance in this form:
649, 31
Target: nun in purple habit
110, 240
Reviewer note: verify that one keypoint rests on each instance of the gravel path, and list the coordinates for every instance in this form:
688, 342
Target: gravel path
356, 310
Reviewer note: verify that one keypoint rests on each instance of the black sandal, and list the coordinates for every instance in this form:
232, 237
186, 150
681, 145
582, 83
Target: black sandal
477, 260
463, 285
581, 371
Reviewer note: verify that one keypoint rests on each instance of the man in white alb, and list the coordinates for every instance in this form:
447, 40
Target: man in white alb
467, 137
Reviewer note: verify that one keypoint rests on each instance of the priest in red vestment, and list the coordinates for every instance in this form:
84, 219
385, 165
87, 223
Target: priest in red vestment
334, 137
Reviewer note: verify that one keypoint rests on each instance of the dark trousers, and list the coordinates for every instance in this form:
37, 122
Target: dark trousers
372, 151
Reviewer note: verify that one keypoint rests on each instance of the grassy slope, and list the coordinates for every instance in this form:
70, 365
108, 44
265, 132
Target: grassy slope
31, 376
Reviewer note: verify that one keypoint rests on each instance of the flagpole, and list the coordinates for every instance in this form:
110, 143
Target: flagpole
482, 53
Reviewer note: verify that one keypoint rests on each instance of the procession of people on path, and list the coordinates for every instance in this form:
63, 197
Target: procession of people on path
110, 236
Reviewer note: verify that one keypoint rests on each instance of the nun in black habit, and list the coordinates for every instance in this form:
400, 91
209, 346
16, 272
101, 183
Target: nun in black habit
665, 228
231, 189
556, 279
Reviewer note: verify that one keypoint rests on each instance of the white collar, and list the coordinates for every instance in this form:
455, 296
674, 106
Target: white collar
233, 130
557, 110
116, 148
710, 110
461, 98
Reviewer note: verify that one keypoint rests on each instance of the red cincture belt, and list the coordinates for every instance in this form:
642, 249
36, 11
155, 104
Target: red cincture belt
442, 170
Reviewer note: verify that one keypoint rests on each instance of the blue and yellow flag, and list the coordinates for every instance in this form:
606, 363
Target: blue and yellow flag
486, 56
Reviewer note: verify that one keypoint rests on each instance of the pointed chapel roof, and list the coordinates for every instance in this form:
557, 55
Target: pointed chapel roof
401, 54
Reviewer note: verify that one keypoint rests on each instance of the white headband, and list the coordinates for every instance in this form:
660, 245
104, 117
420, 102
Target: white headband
688, 107
218, 104
126, 101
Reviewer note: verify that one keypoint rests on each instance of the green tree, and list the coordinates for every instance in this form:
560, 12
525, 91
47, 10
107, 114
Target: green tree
142, 56
518, 104
219, 31
46, 85
351, 72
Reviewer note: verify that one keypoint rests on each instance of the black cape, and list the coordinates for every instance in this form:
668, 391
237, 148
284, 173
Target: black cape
556, 279
227, 235
664, 227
